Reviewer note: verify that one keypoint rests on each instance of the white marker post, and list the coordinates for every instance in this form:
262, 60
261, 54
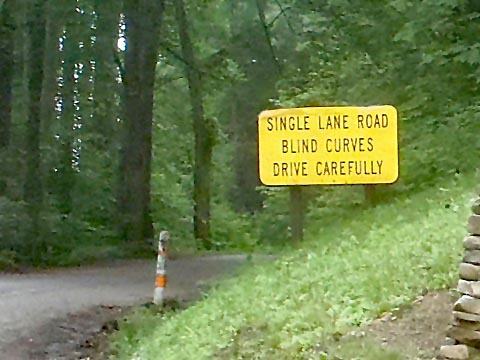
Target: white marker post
161, 276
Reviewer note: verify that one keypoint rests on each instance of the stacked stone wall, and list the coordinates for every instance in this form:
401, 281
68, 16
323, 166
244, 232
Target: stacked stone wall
463, 340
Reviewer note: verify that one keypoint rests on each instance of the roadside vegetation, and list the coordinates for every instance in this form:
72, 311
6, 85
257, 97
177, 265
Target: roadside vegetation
354, 266
69, 189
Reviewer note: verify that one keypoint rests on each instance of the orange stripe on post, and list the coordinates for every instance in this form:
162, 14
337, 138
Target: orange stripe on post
162, 252
161, 281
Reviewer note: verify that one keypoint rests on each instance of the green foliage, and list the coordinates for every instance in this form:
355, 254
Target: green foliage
172, 164
15, 224
422, 58
375, 261
421, 72
273, 221
232, 231
8, 260
70, 240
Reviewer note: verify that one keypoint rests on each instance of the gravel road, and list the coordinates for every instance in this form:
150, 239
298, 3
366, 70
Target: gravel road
30, 303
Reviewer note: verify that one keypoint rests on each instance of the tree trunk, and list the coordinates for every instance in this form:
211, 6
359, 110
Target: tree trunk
371, 195
33, 185
203, 133
253, 41
6, 78
105, 83
54, 25
245, 196
142, 20
65, 179
297, 213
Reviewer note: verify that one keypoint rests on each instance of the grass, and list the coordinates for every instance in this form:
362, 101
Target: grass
350, 270
360, 349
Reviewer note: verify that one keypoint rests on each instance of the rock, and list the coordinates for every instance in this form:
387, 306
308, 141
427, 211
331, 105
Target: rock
467, 304
472, 242
466, 316
469, 271
471, 288
476, 206
469, 325
464, 336
472, 257
449, 341
458, 352
473, 226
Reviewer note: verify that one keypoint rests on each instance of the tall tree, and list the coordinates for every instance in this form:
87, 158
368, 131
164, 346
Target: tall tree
6, 78
142, 27
54, 23
203, 133
70, 58
33, 183
255, 54
107, 16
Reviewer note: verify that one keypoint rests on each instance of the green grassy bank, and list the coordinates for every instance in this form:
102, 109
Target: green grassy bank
347, 272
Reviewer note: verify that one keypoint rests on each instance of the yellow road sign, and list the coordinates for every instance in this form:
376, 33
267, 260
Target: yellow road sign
328, 145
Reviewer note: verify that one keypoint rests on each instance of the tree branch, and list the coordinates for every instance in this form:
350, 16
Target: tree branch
271, 23
261, 15
283, 11
175, 55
